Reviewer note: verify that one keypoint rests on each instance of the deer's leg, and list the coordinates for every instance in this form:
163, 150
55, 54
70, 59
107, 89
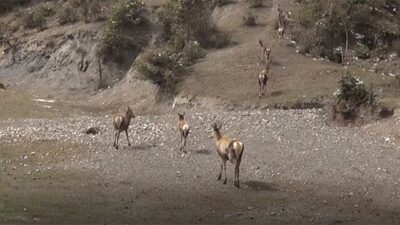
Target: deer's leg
225, 171
265, 87
234, 171
180, 136
237, 175
220, 172
259, 84
184, 144
115, 138
127, 137
119, 132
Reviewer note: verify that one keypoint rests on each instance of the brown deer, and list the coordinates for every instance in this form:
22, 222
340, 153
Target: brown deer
280, 32
263, 76
183, 129
228, 150
121, 123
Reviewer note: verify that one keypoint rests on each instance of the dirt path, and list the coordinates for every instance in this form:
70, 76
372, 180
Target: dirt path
295, 170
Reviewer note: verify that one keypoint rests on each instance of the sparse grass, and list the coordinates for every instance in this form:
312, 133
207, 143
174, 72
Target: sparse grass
249, 19
220, 3
90, 10
255, 3
35, 17
67, 13
191, 53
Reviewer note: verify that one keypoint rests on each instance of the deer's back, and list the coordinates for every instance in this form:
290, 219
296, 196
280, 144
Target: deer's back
120, 123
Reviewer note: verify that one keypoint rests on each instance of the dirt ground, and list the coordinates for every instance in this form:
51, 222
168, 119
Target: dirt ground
295, 170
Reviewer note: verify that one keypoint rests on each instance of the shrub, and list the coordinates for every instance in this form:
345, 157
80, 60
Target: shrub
161, 66
165, 66
67, 14
255, 3
353, 94
369, 27
396, 47
362, 51
218, 40
249, 19
36, 17
2, 86
190, 19
94, 10
123, 13
220, 3
191, 53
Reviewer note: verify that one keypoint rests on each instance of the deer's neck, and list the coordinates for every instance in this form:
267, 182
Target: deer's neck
128, 119
217, 135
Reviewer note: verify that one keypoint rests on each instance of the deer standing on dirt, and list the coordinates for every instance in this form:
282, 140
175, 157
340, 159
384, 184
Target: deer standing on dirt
183, 129
228, 150
281, 31
283, 20
121, 123
263, 76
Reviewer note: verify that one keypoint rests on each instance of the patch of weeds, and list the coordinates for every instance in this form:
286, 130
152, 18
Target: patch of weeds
35, 17
249, 19
255, 3
67, 13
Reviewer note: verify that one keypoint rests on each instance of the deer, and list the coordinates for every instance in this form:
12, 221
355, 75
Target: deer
183, 129
228, 150
280, 32
263, 76
283, 20
121, 123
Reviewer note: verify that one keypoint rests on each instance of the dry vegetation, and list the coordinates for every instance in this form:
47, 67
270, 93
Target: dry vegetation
328, 28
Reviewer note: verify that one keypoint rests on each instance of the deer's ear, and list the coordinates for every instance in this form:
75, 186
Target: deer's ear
220, 125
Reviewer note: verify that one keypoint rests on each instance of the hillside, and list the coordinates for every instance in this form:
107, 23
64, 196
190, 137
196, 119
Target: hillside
46, 64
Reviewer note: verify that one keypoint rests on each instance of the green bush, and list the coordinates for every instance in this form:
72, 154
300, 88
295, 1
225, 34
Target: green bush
163, 67
190, 19
362, 51
94, 10
124, 12
353, 94
191, 53
220, 3
67, 14
249, 19
367, 22
2, 86
36, 17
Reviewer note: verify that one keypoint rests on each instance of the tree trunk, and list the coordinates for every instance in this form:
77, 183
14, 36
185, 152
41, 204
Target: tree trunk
344, 62
100, 75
